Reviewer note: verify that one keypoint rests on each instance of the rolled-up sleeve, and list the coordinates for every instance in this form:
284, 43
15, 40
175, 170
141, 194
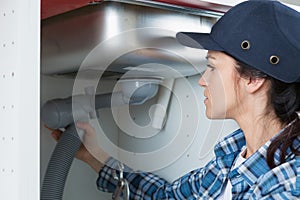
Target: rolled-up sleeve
149, 186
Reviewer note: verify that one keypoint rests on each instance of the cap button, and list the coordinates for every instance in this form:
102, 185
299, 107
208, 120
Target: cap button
274, 60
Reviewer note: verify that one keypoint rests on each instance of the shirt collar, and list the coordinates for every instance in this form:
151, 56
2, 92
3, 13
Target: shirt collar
256, 164
231, 144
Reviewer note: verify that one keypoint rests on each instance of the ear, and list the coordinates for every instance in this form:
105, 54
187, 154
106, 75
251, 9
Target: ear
252, 85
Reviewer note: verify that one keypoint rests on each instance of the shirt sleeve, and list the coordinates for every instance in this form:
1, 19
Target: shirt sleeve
282, 182
284, 195
149, 186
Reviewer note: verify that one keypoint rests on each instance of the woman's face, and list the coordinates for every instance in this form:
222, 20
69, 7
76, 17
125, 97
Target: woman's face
219, 82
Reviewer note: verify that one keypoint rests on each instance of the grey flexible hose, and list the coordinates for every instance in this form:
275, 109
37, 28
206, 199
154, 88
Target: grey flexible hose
59, 164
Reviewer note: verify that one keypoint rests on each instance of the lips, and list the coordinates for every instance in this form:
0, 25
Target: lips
205, 101
205, 94
206, 98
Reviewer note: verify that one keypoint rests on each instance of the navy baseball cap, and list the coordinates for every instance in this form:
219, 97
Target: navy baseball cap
264, 34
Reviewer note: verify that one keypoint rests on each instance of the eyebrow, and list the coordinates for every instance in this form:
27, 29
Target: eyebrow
210, 56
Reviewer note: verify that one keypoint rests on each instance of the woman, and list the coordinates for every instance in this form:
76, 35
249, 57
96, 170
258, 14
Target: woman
253, 66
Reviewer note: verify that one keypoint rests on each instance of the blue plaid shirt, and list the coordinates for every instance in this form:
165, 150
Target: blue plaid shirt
253, 179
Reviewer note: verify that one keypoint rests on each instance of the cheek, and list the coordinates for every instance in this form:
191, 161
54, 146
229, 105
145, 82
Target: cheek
223, 96
218, 86
232, 97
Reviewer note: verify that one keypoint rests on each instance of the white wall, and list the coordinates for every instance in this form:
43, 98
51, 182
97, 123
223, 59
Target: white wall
19, 102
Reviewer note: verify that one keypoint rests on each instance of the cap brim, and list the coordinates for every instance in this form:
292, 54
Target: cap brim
198, 41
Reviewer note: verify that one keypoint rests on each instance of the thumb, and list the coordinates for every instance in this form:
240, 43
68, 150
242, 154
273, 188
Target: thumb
86, 127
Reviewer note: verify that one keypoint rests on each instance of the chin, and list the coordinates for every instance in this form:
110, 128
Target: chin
210, 115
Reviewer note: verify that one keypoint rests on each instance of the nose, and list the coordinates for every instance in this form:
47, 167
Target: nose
202, 82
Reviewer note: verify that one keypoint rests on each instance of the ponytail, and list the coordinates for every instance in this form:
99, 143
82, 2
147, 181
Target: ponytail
284, 99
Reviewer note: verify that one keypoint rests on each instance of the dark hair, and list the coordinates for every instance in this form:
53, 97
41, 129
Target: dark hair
284, 98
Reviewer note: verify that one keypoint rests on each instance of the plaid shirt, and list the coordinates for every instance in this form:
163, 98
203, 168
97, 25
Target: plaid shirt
253, 179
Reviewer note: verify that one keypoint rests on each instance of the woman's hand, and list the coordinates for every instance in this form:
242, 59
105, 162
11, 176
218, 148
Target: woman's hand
89, 151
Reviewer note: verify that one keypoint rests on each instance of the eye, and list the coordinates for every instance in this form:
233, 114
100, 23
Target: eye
212, 68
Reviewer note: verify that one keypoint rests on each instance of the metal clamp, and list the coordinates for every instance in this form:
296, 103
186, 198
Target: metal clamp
122, 186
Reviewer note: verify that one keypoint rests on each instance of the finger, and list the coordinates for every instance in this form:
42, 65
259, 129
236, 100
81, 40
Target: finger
53, 130
86, 127
50, 129
56, 134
